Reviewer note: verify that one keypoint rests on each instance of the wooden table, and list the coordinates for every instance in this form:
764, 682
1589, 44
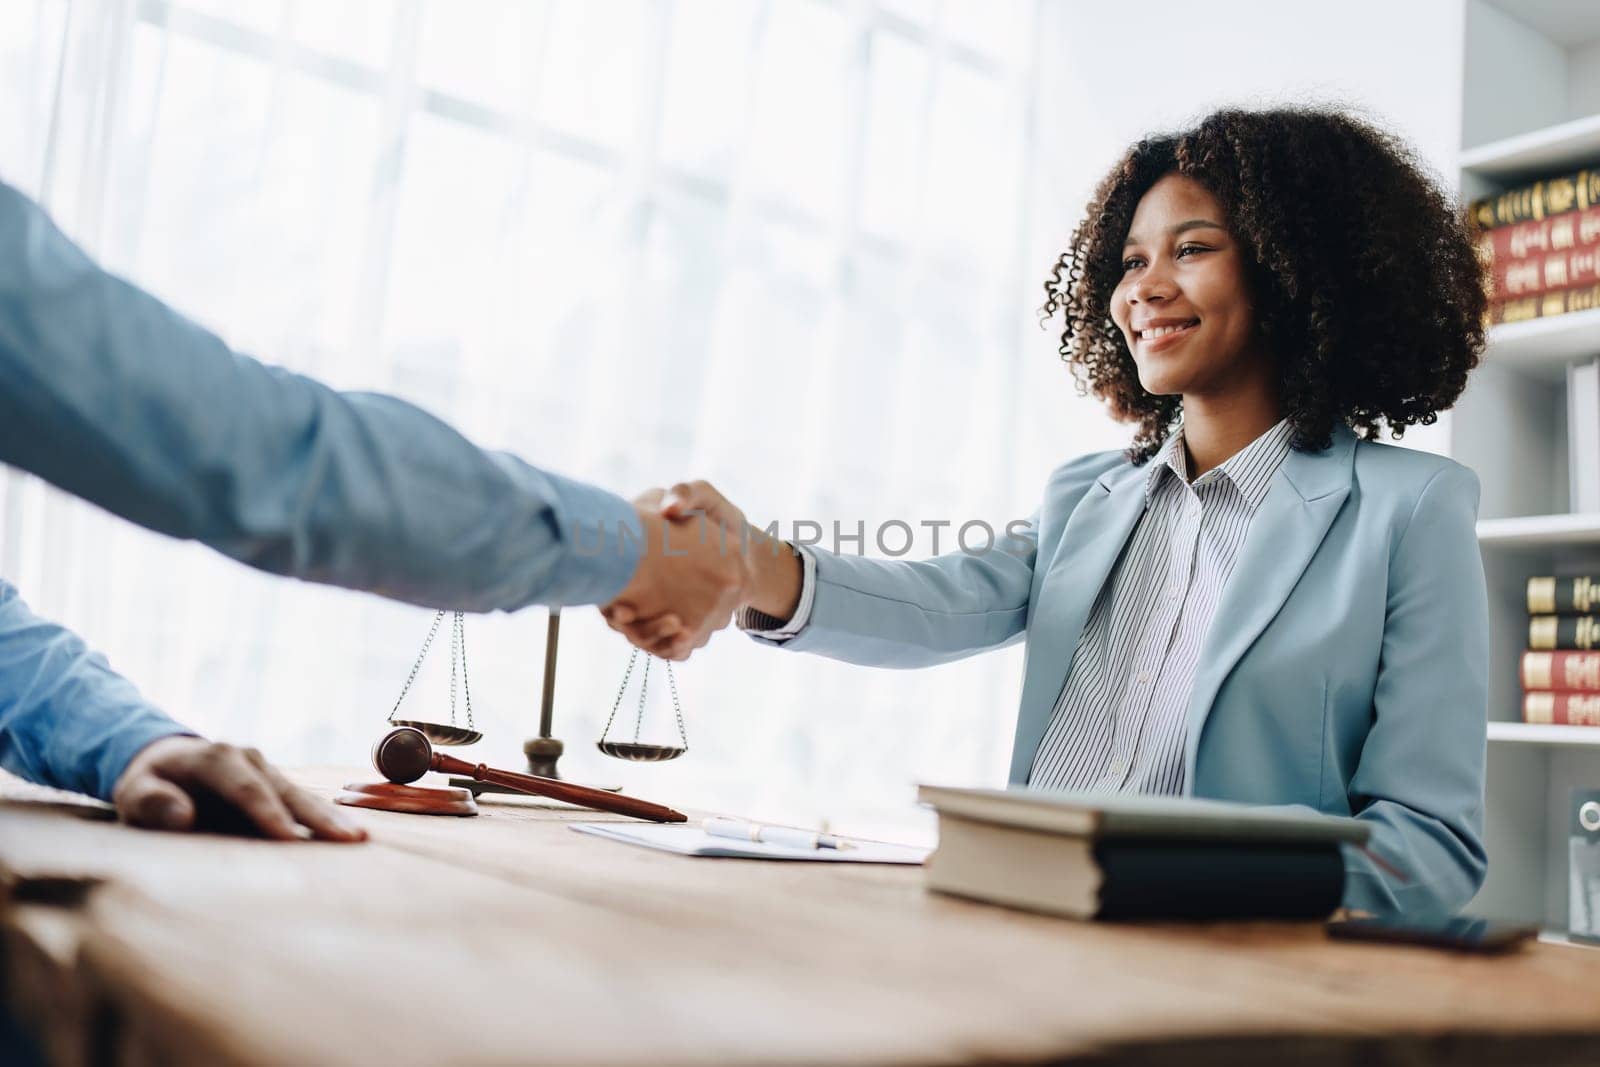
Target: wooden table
507, 938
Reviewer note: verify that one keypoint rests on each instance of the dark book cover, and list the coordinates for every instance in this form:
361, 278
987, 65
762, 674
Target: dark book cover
1152, 878
1563, 596
1563, 631
1537, 200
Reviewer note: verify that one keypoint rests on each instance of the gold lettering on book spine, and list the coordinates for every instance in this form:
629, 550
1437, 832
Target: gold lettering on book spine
1589, 227
1560, 194
1555, 270
1541, 596
1562, 236
1535, 202
1585, 631
1523, 278
1538, 670
1579, 672
1520, 310
1583, 710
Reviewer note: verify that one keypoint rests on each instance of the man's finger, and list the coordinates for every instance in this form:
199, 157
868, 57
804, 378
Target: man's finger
311, 811
236, 780
324, 820
651, 632
156, 804
689, 496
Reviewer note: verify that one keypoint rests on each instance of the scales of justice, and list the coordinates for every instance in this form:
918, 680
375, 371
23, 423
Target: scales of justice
410, 749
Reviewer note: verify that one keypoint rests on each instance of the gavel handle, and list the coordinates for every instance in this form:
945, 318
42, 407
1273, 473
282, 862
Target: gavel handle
581, 795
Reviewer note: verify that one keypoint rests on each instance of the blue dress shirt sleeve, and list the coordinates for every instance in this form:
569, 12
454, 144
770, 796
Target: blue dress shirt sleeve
66, 718
116, 398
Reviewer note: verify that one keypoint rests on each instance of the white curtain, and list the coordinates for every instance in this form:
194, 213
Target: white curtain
793, 247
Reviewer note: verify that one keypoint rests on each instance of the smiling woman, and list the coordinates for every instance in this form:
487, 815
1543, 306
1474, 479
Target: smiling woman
1256, 602
1344, 274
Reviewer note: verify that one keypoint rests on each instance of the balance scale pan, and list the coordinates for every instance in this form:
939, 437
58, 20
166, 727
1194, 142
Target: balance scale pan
640, 753
442, 734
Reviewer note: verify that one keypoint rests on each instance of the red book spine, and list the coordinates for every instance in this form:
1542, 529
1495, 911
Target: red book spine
1562, 709
1536, 275
1570, 671
1538, 257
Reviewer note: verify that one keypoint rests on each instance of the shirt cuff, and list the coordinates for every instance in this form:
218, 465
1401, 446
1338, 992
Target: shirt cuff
769, 627
603, 540
128, 741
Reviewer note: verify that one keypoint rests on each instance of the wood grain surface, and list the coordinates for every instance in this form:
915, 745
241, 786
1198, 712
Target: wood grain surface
509, 939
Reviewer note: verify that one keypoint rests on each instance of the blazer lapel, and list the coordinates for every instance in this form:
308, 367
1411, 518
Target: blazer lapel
1093, 539
1285, 533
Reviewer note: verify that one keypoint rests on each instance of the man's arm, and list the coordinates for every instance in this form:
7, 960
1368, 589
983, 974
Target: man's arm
881, 613
68, 720
116, 398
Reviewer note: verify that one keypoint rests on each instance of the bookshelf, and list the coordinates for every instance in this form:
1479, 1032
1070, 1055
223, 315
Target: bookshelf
1530, 108
1521, 733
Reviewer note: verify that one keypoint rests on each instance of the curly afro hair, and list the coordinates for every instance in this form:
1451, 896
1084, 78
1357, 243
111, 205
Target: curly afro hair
1368, 293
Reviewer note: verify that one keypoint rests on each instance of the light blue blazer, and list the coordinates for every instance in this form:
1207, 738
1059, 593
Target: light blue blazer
1345, 669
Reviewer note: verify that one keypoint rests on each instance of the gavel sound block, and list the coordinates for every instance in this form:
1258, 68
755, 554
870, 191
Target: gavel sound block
404, 754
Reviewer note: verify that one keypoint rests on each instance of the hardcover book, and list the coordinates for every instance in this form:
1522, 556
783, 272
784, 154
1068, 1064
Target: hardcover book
1099, 856
1538, 200
1535, 275
1569, 671
1565, 233
1563, 631
1563, 596
1562, 709
1535, 257
1544, 305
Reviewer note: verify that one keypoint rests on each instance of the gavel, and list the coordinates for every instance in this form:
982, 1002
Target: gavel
404, 754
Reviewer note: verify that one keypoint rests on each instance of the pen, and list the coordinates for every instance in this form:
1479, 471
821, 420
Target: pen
787, 836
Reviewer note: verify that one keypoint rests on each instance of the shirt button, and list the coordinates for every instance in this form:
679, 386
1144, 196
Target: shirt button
1117, 766
1144, 678
1172, 594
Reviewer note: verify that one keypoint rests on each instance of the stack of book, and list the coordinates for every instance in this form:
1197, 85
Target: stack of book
1560, 675
1541, 246
1105, 856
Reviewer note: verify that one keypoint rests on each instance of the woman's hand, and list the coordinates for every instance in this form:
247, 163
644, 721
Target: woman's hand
185, 783
775, 570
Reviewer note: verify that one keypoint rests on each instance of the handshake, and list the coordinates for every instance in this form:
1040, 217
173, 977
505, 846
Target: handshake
701, 562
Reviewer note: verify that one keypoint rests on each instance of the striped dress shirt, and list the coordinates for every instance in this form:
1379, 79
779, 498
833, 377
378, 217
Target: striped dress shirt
1119, 724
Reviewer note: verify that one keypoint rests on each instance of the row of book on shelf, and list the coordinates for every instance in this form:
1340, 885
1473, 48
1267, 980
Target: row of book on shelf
1540, 244
1561, 667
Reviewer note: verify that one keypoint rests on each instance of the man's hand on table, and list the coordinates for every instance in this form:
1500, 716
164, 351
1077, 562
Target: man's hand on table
187, 783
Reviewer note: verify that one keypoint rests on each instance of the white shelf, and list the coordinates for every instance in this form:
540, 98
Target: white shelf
1535, 531
1544, 347
1533, 733
1540, 154
1560, 937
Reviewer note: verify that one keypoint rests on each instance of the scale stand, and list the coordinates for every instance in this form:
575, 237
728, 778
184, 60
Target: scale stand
542, 751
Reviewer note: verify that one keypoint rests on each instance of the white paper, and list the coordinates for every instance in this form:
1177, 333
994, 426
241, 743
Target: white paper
687, 839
